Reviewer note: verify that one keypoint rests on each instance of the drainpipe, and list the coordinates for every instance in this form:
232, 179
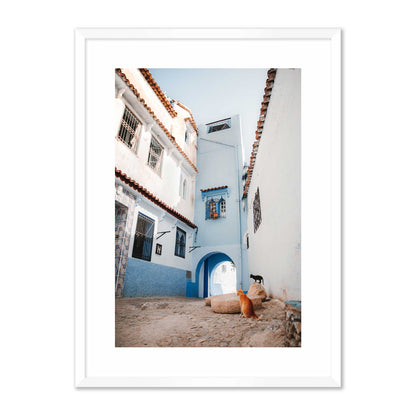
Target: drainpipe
239, 216
239, 199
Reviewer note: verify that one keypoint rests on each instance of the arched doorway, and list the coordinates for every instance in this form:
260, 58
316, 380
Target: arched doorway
216, 273
223, 278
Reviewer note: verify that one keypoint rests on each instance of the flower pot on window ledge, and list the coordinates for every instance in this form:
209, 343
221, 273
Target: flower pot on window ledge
214, 215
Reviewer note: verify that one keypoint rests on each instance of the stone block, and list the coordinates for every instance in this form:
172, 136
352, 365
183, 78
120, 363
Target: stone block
256, 289
230, 303
208, 300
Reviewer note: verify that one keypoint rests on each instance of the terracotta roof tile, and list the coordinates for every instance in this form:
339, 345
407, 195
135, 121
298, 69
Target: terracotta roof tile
155, 87
191, 119
171, 138
271, 75
141, 189
214, 189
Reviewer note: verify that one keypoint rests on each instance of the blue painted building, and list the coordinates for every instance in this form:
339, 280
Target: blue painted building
219, 213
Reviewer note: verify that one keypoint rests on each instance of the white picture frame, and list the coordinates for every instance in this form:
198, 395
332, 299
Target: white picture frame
318, 362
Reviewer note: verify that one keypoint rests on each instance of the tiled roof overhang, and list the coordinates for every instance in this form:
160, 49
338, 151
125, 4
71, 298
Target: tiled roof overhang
191, 118
142, 190
192, 124
155, 87
165, 130
214, 189
271, 75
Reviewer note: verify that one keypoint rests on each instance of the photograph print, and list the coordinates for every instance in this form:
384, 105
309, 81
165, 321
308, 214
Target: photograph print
207, 207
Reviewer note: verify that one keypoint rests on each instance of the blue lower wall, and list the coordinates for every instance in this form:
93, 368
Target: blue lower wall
144, 278
191, 289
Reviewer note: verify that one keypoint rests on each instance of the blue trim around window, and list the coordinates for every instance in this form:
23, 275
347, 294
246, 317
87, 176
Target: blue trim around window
215, 192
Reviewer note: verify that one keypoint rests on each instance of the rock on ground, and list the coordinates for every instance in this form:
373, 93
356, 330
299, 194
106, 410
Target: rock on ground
256, 289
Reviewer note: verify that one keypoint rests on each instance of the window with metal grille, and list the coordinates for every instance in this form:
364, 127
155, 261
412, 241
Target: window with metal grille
215, 208
128, 127
143, 238
256, 210
220, 125
222, 207
155, 155
180, 245
211, 209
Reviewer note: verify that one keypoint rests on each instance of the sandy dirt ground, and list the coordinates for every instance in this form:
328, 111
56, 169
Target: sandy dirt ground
187, 322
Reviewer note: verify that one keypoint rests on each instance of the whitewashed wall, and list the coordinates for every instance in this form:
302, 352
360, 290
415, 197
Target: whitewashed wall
133, 161
168, 240
178, 132
275, 248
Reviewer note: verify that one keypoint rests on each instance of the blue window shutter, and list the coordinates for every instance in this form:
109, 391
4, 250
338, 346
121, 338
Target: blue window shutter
207, 210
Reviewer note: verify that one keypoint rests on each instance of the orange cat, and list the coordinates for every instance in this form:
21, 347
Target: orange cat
246, 305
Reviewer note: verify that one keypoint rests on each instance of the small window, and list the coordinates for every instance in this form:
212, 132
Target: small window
211, 210
155, 155
129, 126
180, 245
143, 238
215, 208
184, 186
256, 210
222, 207
220, 125
186, 136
